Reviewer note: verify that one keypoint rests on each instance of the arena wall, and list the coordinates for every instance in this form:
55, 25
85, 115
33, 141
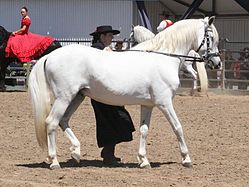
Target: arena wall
68, 19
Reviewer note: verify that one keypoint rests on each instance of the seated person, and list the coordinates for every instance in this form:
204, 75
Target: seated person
24, 45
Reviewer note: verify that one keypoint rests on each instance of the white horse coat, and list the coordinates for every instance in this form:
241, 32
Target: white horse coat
112, 75
124, 78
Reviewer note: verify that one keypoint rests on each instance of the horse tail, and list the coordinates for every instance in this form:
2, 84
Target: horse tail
40, 97
202, 73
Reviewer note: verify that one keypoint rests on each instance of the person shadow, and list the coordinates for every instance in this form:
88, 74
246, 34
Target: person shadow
92, 163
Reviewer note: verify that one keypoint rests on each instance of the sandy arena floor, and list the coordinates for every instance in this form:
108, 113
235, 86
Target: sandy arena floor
216, 131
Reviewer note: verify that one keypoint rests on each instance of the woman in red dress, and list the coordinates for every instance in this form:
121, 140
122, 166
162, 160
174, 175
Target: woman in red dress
25, 45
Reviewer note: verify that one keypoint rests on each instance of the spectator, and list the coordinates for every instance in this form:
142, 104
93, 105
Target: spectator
242, 65
119, 45
165, 23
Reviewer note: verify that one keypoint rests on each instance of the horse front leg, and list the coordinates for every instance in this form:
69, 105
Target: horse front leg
144, 128
169, 112
64, 124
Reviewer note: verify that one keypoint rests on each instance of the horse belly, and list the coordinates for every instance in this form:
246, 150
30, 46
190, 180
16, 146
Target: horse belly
119, 99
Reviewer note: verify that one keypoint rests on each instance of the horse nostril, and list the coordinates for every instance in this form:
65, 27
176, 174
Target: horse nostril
218, 66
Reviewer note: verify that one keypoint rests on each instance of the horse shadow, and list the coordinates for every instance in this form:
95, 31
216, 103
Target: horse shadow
92, 163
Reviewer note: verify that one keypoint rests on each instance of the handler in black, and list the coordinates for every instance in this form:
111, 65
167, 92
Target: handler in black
114, 124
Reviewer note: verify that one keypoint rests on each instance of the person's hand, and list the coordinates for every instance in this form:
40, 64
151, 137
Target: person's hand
13, 33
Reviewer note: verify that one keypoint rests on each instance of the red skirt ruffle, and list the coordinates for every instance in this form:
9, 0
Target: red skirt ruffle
26, 47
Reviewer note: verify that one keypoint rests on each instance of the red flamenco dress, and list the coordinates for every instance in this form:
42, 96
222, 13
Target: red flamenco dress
27, 46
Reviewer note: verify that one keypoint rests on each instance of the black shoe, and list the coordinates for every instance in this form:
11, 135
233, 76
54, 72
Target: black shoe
108, 152
112, 157
110, 162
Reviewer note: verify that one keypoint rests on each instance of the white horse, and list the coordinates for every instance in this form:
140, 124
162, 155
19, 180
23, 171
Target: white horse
140, 34
59, 82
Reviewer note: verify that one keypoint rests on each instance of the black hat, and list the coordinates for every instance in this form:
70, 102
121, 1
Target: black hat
165, 13
105, 29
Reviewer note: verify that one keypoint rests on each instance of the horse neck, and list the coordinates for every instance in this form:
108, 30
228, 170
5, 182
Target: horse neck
178, 39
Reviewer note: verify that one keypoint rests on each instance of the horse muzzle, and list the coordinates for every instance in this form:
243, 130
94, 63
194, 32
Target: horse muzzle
213, 60
211, 65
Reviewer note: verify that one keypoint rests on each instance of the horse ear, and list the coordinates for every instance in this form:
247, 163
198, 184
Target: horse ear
211, 20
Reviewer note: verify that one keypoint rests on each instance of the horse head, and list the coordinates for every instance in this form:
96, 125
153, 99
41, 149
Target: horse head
131, 37
208, 40
141, 34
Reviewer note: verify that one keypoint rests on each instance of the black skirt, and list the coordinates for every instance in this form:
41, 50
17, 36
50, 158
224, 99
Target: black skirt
114, 124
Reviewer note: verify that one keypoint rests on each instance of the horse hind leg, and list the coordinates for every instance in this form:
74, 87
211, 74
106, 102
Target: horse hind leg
58, 109
144, 128
64, 124
169, 112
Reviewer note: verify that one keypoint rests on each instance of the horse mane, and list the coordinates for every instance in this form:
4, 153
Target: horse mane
169, 39
142, 34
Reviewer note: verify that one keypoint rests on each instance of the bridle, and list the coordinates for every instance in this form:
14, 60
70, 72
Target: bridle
208, 55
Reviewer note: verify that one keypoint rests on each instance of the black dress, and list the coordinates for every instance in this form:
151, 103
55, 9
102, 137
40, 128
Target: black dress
114, 124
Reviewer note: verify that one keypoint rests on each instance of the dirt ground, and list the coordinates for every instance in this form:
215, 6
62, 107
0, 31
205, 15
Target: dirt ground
216, 131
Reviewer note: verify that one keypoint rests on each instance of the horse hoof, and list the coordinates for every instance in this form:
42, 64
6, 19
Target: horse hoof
53, 167
187, 164
75, 157
143, 162
145, 166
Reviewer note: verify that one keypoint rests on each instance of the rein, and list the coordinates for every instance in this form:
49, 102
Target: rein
206, 57
189, 58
